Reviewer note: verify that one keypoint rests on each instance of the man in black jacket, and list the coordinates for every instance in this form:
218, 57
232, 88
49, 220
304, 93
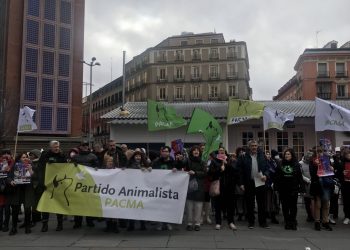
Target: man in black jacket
254, 172
119, 158
53, 155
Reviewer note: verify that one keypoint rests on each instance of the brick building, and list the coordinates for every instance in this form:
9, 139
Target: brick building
321, 72
41, 45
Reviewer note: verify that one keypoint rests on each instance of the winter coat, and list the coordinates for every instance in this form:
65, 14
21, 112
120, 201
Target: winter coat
119, 157
344, 165
289, 178
86, 158
161, 163
199, 168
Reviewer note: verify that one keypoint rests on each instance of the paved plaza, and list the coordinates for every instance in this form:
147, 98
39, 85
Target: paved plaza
179, 238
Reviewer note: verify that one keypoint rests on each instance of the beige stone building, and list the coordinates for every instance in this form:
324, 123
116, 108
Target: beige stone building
190, 67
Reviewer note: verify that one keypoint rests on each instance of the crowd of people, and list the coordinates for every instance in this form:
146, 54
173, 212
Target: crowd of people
230, 186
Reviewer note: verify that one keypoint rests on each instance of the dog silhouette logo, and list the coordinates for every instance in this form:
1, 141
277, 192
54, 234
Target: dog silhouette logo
63, 183
336, 110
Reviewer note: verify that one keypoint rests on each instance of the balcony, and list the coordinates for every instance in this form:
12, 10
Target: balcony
179, 58
196, 57
196, 78
214, 77
324, 95
161, 98
179, 78
323, 74
231, 75
162, 79
341, 74
214, 56
161, 58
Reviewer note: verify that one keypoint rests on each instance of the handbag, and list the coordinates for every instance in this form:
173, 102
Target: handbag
214, 189
192, 185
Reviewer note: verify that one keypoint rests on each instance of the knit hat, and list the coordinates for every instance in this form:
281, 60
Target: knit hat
35, 152
273, 153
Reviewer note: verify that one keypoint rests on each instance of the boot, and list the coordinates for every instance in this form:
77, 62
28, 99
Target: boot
317, 226
13, 231
59, 226
27, 230
273, 219
108, 226
45, 227
115, 227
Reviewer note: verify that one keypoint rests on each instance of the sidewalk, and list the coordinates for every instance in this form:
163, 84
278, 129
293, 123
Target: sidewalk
179, 238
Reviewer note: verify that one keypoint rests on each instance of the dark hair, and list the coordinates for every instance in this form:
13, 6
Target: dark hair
238, 150
19, 156
291, 151
5, 151
165, 147
194, 148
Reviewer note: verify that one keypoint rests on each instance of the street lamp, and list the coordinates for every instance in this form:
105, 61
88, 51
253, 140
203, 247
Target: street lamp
91, 64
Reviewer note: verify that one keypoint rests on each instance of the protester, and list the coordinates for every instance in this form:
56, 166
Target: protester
22, 192
117, 153
197, 169
254, 172
308, 199
344, 177
239, 193
321, 187
6, 162
34, 156
99, 152
272, 200
289, 182
86, 158
336, 161
53, 155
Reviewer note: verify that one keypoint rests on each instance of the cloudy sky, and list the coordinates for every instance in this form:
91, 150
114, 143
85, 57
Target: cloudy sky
276, 32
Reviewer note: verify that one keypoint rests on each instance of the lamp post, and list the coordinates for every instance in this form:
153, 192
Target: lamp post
91, 64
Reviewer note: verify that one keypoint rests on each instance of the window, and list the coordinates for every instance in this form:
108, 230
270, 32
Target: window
32, 32
64, 38
298, 144
179, 92
162, 74
184, 43
232, 52
324, 90
232, 90
264, 142
48, 62
179, 72
33, 7
322, 70
30, 88
231, 71
214, 53
214, 72
213, 91
145, 76
341, 91
340, 69
196, 54
47, 90
31, 60
199, 41
246, 137
62, 91
213, 41
195, 72
162, 93
62, 119
179, 55
49, 35
66, 12
50, 10
196, 92
282, 141
162, 56
63, 65
46, 118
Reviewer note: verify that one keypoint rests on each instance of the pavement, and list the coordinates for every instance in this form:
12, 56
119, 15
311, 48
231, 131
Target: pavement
305, 238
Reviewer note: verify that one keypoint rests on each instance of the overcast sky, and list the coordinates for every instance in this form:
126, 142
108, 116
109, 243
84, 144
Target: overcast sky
276, 32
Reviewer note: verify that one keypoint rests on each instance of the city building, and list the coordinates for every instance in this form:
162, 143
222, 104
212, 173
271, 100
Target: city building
321, 72
299, 134
190, 67
41, 45
104, 100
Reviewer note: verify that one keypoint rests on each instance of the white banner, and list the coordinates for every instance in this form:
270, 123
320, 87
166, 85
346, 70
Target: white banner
274, 118
159, 195
25, 120
330, 116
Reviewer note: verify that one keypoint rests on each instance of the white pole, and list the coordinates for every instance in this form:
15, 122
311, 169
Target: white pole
123, 79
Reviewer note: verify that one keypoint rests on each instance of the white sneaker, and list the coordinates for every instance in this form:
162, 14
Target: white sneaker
233, 226
331, 220
169, 227
209, 220
218, 227
346, 221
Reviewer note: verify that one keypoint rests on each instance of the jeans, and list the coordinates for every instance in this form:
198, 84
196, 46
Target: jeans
289, 207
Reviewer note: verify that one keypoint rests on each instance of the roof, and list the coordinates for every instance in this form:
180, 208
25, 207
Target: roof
138, 110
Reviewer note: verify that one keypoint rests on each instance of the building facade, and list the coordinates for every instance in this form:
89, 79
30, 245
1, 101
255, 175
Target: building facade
104, 100
321, 72
43, 45
190, 67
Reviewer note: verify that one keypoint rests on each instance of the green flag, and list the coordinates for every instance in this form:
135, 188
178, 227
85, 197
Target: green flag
242, 110
204, 123
161, 117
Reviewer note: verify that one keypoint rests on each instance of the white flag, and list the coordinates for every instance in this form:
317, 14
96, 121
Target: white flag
25, 120
274, 118
330, 116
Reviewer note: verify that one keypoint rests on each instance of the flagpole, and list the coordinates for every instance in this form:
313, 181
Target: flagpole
16, 140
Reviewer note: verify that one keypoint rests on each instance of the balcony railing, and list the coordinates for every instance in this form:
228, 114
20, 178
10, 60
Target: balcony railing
196, 78
179, 57
213, 56
214, 77
162, 79
161, 58
196, 57
162, 98
323, 74
341, 74
178, 78
231, 75
231, 55
324, 95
